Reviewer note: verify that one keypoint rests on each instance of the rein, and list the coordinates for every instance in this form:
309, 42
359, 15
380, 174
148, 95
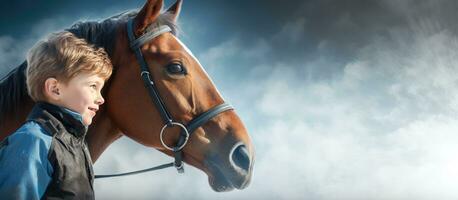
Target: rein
186, 130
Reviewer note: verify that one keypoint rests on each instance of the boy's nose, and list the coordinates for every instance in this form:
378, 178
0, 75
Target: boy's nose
100, 100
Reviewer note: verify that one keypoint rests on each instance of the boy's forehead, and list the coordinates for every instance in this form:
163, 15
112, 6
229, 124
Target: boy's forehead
89, 77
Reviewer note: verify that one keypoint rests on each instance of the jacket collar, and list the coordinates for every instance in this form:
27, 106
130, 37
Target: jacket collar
71, 120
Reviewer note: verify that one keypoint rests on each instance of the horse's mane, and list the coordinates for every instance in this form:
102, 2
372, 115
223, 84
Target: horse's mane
101, 33
13, 88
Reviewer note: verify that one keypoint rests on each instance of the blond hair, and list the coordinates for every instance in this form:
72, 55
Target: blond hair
63, 56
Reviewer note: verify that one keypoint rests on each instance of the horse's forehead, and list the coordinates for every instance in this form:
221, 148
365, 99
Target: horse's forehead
186, 49
172, 43
189, 52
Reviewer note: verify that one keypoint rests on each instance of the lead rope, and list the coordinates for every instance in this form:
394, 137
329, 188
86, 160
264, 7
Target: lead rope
163, 166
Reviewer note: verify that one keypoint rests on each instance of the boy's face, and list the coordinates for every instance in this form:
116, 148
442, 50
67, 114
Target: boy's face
82, 94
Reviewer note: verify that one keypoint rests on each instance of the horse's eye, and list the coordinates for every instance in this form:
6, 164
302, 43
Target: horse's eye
176, 68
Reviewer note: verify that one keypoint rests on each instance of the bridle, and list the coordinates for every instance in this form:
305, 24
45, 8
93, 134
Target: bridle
186, 130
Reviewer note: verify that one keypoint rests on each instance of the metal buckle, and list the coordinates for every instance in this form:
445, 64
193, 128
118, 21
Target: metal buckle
180, 168
148, 75
170, 125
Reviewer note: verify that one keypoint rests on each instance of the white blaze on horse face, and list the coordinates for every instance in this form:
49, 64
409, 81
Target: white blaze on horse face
200, 65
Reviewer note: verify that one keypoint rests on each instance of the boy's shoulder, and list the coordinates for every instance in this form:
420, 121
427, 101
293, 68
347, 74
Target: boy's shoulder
30, 134
33, 129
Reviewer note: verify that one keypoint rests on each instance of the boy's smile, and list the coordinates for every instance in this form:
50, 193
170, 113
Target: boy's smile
82, 94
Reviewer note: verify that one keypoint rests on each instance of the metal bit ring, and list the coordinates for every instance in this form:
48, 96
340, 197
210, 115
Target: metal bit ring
171, 125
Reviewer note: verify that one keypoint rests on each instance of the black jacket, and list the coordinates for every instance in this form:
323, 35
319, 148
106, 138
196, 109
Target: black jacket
73, 176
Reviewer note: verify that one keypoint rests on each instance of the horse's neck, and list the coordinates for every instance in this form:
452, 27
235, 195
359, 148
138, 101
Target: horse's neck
9, 124
101, 134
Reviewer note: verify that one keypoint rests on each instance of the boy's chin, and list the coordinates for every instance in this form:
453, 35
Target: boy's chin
87, 122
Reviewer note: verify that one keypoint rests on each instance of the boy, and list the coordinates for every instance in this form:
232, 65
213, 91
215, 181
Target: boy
47, 157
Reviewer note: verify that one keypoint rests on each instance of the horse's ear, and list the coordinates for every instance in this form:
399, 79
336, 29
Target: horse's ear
175, 9
147, 15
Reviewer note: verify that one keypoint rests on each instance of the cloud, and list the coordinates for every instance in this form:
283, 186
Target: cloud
14, 49
10, 54
375, 131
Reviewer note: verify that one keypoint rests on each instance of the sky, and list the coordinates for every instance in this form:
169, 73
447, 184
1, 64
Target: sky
343, 99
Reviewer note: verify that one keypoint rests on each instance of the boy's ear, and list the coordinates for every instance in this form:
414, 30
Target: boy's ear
52, 89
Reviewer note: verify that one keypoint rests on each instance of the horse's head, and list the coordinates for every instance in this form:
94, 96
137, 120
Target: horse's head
221, 147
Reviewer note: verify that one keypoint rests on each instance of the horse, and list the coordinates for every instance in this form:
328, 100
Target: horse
221, 147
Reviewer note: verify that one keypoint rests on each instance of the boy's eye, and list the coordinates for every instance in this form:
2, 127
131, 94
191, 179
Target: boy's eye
94, 86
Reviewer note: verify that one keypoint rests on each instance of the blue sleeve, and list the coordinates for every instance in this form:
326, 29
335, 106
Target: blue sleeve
25, 169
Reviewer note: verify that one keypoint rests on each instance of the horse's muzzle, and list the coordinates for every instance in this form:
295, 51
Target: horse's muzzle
231, 171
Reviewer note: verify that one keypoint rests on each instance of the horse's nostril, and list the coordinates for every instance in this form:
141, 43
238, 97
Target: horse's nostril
240, 157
